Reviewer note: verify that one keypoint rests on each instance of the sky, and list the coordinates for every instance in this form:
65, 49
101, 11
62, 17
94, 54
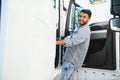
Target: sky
100, 12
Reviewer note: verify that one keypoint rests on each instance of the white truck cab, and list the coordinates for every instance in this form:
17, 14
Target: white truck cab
28, 33
102, 59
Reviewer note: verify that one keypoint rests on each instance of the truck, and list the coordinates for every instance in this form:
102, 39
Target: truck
28, 33
102, 61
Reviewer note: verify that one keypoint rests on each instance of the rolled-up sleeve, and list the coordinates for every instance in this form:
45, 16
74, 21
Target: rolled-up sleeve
77, 38
68, 42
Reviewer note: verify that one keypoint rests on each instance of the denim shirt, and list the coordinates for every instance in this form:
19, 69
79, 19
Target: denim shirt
77, 46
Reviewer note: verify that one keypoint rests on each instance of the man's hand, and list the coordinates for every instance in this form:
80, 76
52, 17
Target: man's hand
59, 42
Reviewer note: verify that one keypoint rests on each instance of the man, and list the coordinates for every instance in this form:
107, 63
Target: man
76, 46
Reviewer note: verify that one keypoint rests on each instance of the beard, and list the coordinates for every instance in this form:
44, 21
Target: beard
82, 22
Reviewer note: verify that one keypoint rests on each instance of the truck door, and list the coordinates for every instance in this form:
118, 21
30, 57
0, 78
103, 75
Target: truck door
73, 10
103, 52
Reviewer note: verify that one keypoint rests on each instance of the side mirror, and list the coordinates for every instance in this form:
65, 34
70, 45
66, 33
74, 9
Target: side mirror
115, 24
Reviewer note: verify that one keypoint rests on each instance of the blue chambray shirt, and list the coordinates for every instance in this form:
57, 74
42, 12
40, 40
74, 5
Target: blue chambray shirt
77, 46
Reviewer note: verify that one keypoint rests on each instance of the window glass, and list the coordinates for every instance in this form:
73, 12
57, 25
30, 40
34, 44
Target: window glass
74, 16
77, 12
72, 13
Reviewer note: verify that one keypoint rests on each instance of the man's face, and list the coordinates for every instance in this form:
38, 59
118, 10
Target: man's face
83, 18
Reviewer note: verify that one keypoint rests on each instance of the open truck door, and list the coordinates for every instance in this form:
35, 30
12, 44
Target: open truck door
102, 59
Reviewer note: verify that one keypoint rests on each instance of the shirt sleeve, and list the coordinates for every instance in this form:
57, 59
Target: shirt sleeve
77, 38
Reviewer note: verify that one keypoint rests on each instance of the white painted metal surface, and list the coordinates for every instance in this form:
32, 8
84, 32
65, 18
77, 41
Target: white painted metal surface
94, 74
97, 74
28, 35
117, 50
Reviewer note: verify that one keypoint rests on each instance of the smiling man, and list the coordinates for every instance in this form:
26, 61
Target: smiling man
76, 46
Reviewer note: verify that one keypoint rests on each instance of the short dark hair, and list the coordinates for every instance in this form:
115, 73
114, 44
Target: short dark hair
86, 11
